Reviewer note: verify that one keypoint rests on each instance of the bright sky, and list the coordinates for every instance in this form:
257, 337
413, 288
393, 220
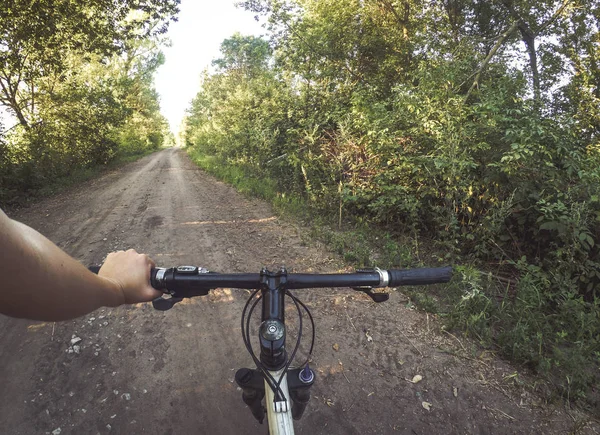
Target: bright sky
196, 38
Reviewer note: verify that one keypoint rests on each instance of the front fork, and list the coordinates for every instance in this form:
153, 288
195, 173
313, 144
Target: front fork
252, 383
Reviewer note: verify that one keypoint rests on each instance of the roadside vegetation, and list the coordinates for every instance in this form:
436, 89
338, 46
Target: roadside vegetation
76, 79
456, 132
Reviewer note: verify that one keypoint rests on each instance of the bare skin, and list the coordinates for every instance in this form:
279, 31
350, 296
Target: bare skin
42, 282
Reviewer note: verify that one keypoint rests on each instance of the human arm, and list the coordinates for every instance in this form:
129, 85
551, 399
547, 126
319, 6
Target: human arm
39, 281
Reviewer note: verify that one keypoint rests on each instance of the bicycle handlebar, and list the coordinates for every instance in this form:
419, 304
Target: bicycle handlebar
190, 281
183, 278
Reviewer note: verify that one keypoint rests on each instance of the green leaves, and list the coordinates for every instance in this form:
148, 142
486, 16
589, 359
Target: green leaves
362, 110
586, 239
243, 55
37, 40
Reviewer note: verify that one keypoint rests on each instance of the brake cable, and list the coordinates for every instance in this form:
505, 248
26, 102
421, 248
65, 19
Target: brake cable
291, 358
312, 322
276, 385
246, 337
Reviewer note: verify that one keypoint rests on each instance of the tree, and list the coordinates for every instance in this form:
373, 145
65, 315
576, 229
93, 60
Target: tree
535, 21
243, 55
578, 91
36, 36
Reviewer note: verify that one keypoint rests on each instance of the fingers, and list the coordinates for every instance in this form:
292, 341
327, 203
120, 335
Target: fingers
151, 261
147, 259
132, 271
153, 294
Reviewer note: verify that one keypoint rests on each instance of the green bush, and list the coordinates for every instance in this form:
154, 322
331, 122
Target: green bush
414, 130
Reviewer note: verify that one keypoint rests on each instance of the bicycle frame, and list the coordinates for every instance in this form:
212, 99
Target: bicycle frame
279, 414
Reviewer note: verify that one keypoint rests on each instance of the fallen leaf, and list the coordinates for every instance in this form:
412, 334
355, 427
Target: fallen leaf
417, 378
336, 347
329, 402
427, 405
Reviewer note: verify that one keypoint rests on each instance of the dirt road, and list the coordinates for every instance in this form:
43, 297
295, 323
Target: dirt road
144, 371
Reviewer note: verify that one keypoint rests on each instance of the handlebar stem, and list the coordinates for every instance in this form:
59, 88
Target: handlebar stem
272, 329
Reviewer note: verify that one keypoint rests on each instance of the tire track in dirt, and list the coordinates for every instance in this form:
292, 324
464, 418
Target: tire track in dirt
143, 371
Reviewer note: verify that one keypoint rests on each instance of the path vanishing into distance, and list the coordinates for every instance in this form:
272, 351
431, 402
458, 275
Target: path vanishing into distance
138, 370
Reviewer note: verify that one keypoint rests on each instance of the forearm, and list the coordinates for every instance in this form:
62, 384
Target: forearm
42, 282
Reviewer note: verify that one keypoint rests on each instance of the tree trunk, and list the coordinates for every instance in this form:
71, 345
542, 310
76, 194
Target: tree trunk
529, 39
401, 19
20, 117
9, 100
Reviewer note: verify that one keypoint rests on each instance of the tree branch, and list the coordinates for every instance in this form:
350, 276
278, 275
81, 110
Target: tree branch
489, 57
402, 21
11, 102
554, 16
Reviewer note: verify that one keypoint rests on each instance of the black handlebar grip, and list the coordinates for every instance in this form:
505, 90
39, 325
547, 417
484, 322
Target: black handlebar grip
420, 276
153, 271
153, 281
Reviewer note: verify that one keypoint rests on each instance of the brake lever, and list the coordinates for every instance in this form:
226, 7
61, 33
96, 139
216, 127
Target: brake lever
368, 290
377, 297
164, 304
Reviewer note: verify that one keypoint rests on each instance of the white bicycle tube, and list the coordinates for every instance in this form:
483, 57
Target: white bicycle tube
279, 414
